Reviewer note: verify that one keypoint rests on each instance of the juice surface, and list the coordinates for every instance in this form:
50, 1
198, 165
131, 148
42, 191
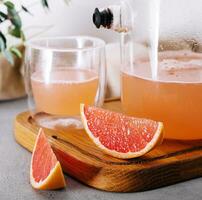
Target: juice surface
175, 97
61, 91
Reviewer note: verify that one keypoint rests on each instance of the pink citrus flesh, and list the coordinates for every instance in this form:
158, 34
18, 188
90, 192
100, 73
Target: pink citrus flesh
45, 171
119, 135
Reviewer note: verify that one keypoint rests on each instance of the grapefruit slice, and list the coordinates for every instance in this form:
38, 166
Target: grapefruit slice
45, 171
119, 135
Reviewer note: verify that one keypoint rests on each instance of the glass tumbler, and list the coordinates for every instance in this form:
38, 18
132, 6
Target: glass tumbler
60, 74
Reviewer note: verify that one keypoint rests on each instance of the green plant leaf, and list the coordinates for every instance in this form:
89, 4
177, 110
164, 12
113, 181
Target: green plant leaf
23, 36
3, 42
3, 16
45, 3
14, 31
2, 45
8, 55
14, 17
9, 4
15, 51
26, 10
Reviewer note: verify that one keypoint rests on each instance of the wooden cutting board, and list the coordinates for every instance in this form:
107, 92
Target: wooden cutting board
172, 162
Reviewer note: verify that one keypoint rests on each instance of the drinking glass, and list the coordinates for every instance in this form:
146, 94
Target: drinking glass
60, 74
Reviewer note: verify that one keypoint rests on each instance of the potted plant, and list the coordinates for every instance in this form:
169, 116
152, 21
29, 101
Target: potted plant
11, 56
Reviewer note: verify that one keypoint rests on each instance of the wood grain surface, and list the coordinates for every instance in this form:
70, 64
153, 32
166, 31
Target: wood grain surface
169, 163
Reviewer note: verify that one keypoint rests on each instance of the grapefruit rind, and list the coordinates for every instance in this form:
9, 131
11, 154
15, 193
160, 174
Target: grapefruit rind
156, 140
55, 179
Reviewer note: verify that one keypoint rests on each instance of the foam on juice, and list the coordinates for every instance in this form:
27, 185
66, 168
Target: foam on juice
173, 66
174, 98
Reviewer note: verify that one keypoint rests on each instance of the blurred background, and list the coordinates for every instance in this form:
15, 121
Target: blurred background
62, 19
76, 18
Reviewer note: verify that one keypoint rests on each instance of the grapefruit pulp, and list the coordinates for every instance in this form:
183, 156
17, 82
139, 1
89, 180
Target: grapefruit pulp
119, 135
45, 170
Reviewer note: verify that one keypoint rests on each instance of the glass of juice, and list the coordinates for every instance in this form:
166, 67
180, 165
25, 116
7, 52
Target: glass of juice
60, 74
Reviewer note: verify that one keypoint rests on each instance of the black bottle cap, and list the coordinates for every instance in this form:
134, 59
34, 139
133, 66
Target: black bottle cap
103, 18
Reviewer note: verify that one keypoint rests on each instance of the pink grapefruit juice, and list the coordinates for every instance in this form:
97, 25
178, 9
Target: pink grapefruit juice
63, 90
175, 98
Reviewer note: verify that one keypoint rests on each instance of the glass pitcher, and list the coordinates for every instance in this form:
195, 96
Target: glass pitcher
161, 55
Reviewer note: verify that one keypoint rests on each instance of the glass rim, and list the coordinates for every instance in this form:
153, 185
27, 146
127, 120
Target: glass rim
31, 43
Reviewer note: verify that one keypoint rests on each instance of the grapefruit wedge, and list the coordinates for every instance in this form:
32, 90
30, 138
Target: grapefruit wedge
119, 135
45, 171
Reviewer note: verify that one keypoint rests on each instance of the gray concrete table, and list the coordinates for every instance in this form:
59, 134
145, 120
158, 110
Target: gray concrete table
14, 173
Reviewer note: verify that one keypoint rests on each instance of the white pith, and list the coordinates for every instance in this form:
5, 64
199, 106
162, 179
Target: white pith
38, 185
